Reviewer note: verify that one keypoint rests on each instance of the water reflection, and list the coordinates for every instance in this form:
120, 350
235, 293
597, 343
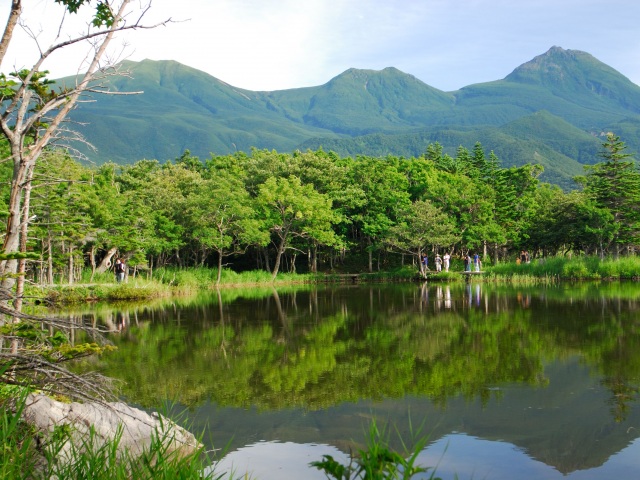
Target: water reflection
554, 371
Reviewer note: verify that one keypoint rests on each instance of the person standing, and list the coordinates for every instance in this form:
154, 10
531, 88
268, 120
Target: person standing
120, 269
438, 263
466, 260
476, 262
445, 260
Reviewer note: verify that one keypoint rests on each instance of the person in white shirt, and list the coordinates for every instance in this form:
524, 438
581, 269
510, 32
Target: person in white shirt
446, 259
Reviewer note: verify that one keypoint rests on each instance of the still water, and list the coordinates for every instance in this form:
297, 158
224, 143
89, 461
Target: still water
527, 383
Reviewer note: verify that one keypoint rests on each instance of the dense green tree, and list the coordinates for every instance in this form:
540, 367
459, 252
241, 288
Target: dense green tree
289, 209
515, 201
468, 203
423, 227
329, 174
615, 184
568, 222
222, 218
385, 194
62, 225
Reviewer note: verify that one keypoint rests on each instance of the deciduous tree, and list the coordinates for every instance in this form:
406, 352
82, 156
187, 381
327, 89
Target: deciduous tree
290, 209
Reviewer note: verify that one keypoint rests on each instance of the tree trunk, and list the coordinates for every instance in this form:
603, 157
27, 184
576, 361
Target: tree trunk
150, 275
314, 259
105, 264
219, 267
12, 236
267, 262
92, 259
276, 266
12, 21
49, 259
22, 263
292, 268
70, 264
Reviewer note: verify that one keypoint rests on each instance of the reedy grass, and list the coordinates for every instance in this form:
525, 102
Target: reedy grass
378, 461
553, 269
17, 449
70, 457
202, 277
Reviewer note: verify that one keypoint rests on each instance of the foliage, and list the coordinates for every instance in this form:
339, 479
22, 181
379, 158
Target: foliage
307, 212
576, 268
614, 185
377, 461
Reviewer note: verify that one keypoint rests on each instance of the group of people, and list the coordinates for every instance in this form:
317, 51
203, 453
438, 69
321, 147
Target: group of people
444, 262
524, 257
475, 261
439, 261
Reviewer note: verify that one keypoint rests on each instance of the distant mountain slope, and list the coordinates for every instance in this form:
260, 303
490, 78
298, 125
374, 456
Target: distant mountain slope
181, 108
563, 152
570, 84
552, 109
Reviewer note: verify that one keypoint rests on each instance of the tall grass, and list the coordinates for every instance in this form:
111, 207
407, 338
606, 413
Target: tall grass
17, 449
21, 457
378, 461
201, 277
553, 269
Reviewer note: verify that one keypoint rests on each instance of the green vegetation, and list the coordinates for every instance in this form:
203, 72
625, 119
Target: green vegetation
377, 461
313, 216
554, 269
241, 219
23, 457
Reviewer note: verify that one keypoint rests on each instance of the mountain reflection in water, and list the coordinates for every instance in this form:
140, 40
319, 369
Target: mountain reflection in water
544, 379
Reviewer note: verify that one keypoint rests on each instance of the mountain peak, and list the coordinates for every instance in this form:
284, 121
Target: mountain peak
366, 74
560, 68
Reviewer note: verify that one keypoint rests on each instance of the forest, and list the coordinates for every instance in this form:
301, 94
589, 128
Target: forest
314, 211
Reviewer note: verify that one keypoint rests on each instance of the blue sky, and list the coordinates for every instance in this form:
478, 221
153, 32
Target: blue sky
281, 44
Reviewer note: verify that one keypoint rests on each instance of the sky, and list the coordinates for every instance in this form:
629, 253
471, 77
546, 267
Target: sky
266, 45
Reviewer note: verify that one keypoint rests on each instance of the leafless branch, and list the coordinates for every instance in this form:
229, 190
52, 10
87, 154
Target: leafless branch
34, 372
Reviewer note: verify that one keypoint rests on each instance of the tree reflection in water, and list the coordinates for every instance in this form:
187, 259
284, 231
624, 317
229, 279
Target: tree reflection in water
553, 370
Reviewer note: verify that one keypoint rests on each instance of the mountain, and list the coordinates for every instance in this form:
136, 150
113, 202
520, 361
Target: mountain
552, 110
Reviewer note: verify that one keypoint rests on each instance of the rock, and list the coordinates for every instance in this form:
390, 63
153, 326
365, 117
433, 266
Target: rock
137, 427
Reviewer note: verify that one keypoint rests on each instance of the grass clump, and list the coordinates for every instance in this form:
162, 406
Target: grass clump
553, 269
76, 294
25, 454
378, 461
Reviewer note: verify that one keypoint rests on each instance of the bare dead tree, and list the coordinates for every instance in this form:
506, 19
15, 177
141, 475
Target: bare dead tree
32, 117
32, 112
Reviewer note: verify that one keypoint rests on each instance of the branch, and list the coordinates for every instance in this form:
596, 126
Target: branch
34, 372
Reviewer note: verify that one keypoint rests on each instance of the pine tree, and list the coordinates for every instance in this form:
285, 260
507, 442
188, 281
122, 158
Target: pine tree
615, 185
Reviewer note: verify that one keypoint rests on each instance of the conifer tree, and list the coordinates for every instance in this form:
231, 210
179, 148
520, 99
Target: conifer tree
615, 185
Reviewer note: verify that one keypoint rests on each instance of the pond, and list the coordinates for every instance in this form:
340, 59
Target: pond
527, 383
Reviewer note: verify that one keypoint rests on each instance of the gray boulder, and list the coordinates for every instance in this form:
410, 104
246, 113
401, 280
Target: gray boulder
136, 427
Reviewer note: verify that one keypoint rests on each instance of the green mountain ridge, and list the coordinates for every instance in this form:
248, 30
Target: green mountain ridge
552, 110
